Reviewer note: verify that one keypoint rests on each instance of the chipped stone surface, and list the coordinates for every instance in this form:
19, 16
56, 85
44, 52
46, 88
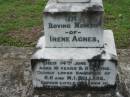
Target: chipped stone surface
53, 6
15, 76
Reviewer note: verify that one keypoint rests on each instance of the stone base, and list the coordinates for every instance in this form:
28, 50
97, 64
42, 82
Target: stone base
75, 67
76, 74
120, 91
78, 93
15, 75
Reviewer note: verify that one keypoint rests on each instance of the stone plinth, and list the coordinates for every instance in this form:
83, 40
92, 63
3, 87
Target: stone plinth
71, 25
15, 76
75, 67
76, 52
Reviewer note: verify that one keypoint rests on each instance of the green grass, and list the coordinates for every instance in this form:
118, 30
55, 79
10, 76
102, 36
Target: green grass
16, 15
117, 18
25, 14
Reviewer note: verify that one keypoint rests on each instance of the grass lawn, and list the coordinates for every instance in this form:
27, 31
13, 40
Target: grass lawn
117, 18
21, 21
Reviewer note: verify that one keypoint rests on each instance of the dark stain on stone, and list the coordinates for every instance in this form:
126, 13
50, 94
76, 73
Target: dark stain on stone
35, 61
92, 18
113, 57
99, 56
80, 86
96, 62
95, 8
114, 61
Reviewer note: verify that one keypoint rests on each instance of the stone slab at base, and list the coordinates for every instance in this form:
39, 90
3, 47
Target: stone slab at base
75, 67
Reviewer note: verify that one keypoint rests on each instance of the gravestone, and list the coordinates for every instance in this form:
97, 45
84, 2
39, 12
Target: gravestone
76, 52
73, 25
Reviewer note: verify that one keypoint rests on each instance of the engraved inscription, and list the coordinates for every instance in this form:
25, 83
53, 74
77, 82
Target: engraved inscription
68, 73
70, 30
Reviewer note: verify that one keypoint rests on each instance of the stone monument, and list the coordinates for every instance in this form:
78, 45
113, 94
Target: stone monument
75, 51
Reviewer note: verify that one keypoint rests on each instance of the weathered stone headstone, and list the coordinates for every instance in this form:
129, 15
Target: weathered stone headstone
73, 24
76, 52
